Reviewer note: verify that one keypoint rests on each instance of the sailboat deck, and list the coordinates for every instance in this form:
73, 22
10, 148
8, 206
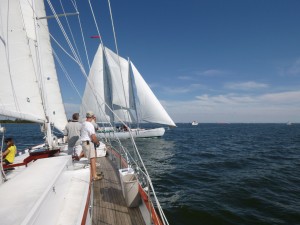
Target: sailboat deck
109, 203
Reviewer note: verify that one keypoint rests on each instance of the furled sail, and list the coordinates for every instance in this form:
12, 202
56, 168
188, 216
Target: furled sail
29, 87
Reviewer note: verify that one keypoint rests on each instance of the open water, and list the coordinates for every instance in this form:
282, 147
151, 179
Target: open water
218, 173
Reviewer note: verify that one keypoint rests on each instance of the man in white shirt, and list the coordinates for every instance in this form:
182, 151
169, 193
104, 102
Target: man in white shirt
88, 139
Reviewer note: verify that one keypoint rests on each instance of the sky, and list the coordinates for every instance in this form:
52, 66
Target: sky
206, 60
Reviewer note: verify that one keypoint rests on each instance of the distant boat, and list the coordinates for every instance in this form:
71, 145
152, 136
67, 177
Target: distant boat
194, 123
125, 92
289, 123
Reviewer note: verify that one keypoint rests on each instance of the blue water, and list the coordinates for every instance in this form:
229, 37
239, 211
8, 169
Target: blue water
218, 173
227, 173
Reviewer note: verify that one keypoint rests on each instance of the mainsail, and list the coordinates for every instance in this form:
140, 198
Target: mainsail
29, 87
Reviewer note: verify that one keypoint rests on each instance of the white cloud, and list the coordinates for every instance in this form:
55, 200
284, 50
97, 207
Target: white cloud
186, 89
294, 69
250, 85
186, 78
211, 72
290, 69
272, 107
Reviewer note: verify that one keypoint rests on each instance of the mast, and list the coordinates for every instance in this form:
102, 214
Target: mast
42, 82
47, 75
133, 95
108, 78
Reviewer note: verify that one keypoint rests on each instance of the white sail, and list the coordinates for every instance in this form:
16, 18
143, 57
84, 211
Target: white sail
56, 111
118, 92
28, 75
18, 97
96, 92
119, 70
105, 85
150, 108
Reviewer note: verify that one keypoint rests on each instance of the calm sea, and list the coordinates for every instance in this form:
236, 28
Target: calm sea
218, 173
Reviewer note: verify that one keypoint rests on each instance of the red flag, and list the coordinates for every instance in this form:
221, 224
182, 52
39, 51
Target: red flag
95, 36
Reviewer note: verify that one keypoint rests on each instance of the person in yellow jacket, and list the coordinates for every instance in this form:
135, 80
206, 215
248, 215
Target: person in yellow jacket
10, 152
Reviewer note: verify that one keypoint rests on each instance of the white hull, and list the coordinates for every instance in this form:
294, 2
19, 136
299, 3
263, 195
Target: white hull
136, 133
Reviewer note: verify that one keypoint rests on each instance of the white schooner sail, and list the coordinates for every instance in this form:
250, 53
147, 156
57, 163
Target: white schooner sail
29, 87
116, 92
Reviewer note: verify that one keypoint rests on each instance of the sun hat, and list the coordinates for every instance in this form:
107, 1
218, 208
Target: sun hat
89, 114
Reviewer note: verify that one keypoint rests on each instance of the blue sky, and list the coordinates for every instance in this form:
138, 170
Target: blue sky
206, 60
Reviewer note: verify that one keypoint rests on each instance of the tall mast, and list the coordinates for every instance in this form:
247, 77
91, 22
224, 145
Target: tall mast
49, 138
133, 96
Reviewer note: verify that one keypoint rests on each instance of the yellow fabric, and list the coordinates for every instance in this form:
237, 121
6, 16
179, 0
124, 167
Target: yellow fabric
10, 157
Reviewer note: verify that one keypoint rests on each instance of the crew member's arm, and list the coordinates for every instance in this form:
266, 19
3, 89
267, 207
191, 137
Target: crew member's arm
95, 139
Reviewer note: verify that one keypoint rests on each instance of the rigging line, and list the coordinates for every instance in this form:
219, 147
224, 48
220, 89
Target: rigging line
82, 36
52, 36
103, 49
41, 81
115, 39
64, 50
148, 176
40, 72
66, 73
38, 61
102, 45
92, 11
65, 35
135, 147
84, 44
71, 31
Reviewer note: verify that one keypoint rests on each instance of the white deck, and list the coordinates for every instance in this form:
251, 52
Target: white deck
50, 191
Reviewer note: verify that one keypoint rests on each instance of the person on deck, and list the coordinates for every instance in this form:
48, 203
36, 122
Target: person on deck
96, 126
72, 131
88, 139
9, 153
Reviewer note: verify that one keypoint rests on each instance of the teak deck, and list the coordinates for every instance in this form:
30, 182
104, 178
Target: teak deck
109, 203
